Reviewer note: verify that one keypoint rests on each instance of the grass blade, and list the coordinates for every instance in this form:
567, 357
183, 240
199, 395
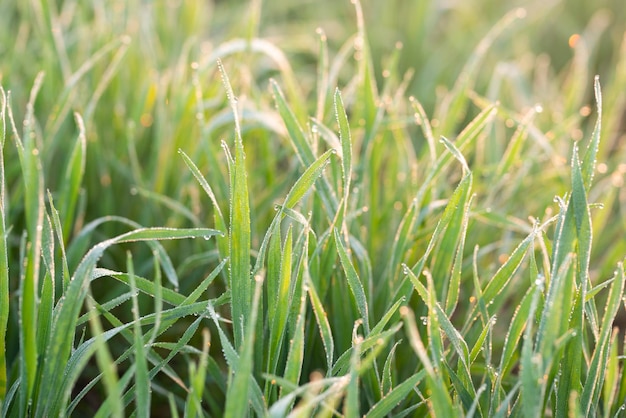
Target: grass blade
240, 281
346, 148
52, 394
596, 375
237, 397
74, 174
4, 262
356, 287
142, 382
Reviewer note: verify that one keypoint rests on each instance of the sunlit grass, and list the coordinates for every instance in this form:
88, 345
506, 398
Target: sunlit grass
208, 211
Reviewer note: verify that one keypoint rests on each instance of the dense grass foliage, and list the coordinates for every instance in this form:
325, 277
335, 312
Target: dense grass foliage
312, 208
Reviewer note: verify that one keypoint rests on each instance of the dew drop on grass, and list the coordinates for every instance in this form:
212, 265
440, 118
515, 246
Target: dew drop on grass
314, 129
405, 269
133, 191
540, 280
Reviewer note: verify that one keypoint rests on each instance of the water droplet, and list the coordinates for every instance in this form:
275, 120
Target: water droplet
314, 129
540, 280
133, 191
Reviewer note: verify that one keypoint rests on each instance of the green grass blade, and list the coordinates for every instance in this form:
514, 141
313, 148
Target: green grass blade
52, 394
74, 173
281, 299
105, 363
346, 147
596, 375
463, 140
322, 75
47, 297
304, 183
422, 120
440, 402
240, 281
384, 407
356, 286
589, 162
303, 148
321, 317
307, 180
142, 382
237, 397
386, 382
193, 406
505, 273
518, 323
32, 173
295, 356
461, 194
4, 262
220, 224
531, 373
351, 405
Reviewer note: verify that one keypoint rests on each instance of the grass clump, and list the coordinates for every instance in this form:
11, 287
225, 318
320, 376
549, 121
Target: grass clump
371, 246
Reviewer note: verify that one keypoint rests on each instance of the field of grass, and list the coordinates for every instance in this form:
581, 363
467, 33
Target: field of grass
312, 208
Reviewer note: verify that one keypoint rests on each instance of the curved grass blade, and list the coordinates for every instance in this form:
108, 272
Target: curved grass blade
303, 149
53, 395
353, 281
295, 194
384, 407
321, 318
217, 214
